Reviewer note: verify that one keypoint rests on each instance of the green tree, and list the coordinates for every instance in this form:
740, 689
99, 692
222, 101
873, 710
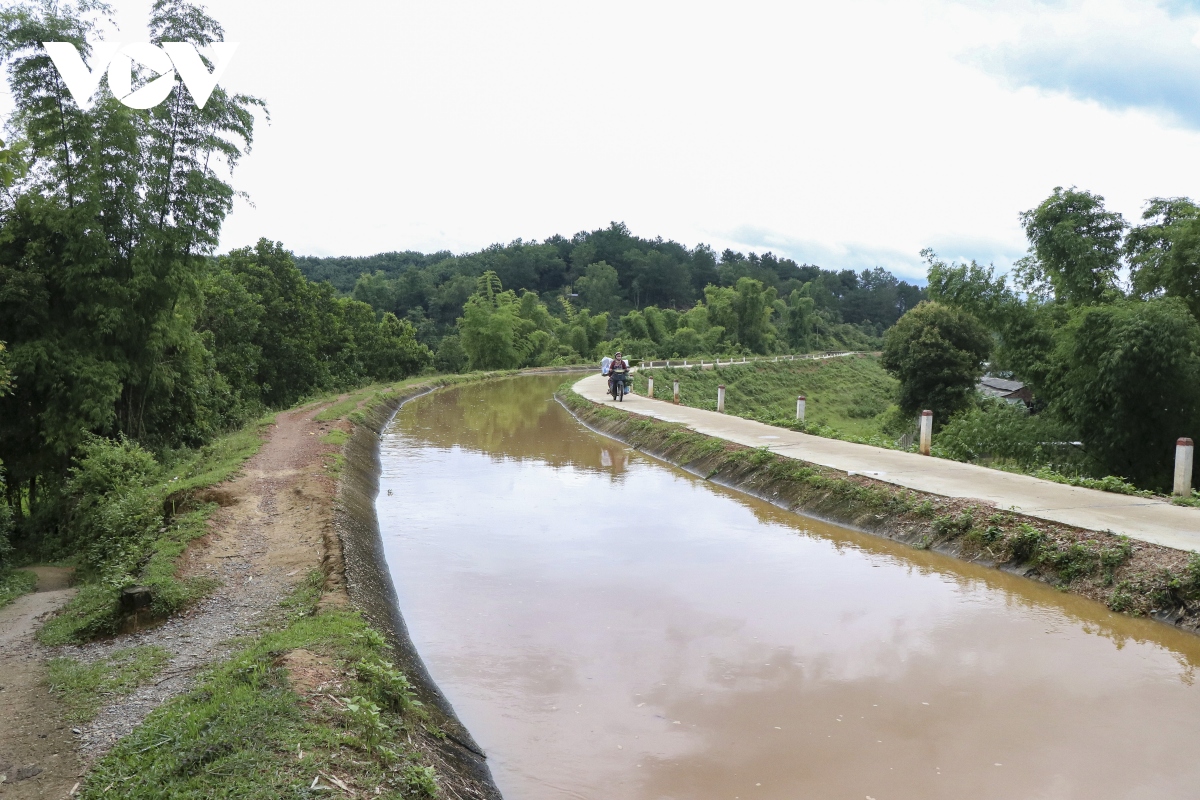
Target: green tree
599, 289
102, 248
488, 327
800, 323
937, 353
1022, 328
5, 376
450, 356
1125, 376
744, 311
1075, 247
1164, 251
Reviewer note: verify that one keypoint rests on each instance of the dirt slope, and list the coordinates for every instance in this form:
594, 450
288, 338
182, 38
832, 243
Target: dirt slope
274, 527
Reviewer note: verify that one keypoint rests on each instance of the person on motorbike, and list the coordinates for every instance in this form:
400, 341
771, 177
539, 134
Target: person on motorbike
617, 370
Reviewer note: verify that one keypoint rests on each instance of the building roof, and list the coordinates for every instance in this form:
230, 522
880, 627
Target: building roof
1000, 384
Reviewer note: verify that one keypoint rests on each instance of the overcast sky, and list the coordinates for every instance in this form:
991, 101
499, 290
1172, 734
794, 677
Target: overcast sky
848, 134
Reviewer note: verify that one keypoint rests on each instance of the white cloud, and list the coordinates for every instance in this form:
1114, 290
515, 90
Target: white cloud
855, 132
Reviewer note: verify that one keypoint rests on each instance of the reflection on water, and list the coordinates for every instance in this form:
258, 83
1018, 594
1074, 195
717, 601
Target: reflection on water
610, 627
510, 419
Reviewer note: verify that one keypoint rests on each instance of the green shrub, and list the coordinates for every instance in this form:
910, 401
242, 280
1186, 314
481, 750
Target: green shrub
116, 508
389, 686
1025, 545
421, 779
1004, 431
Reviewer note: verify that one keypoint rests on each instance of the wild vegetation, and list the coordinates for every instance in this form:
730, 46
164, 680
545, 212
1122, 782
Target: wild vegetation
847, 397
1099, 320
125, 339
248, 729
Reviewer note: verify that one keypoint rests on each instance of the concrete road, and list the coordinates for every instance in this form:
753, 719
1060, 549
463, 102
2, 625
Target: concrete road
1141, 518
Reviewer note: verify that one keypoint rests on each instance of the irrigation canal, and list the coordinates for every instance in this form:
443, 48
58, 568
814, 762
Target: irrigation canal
608, 626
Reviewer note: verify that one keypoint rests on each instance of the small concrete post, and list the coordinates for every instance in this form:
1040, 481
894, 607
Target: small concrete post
676, 392
650, 387
721, 398
1183, 467
926, 431
801, 401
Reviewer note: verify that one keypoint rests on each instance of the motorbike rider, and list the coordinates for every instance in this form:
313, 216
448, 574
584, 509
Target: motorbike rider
618, 368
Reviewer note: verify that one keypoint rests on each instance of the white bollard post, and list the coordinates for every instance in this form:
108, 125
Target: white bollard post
801, 401
676, 392
926, 431
650, 388
721, 398
1183, 467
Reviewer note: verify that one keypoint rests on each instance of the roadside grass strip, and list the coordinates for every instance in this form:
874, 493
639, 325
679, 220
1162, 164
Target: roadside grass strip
848, 398
256, 726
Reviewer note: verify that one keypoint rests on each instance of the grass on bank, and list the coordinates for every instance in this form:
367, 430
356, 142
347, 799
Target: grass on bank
1109, 568
14, 583
83, 688
247, 730
847, 397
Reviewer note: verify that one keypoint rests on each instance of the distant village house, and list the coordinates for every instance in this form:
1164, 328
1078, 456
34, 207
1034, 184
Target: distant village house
1008, 391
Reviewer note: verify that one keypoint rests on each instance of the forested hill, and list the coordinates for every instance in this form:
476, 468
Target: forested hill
606, 270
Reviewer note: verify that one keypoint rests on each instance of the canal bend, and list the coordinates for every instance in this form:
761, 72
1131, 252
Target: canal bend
608, 626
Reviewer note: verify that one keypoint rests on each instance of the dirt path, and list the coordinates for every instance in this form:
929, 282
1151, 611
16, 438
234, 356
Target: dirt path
34, 741
271, 531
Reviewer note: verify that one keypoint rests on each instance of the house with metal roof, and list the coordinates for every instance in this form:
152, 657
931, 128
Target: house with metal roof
1008, 390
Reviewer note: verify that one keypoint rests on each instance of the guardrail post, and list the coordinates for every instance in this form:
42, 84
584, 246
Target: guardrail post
926, 431
676, 392
801, 401
721, 398
650, 388
1183, 467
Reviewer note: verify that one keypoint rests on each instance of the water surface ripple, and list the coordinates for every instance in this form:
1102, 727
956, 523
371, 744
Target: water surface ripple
608, 626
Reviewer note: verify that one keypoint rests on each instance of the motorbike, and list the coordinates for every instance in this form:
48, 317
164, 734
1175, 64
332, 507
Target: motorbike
618, 385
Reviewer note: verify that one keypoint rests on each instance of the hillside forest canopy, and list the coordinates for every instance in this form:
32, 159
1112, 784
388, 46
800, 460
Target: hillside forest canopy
130, 344
570, 299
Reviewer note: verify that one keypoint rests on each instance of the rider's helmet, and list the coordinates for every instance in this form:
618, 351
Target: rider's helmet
619, 354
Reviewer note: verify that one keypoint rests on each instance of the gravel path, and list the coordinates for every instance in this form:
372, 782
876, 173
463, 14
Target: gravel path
271, 531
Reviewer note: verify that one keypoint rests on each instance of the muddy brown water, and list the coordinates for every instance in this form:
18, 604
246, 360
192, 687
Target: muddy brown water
609, 626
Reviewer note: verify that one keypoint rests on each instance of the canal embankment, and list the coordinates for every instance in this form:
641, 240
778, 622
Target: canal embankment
928, 505
294, 672
609, 625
